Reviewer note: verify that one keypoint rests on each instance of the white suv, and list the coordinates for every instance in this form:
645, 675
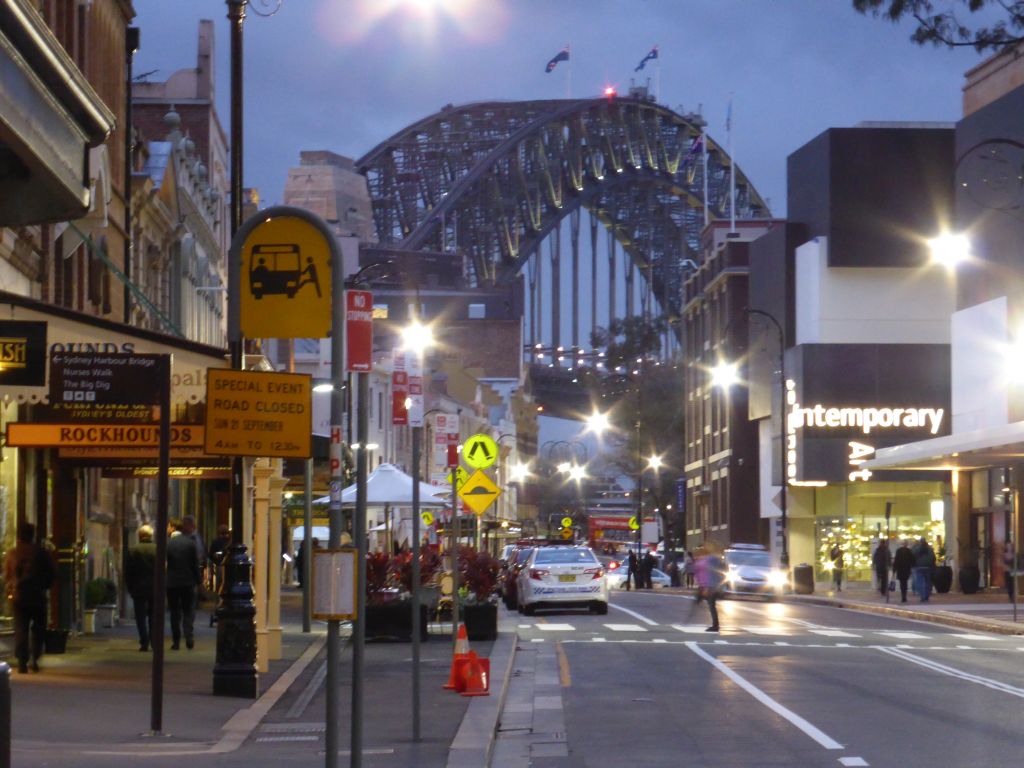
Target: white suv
555, 577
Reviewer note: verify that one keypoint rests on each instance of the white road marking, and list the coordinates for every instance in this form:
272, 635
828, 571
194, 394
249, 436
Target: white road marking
819, 736
556, 627
968, 636
833, 633
691, 629
944, 669
536, 639
625, 628
599, 639
853, 761
900, 635
635, 615
786, 631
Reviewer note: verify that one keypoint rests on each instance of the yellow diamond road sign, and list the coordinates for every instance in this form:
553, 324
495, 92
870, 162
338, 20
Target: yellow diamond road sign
480, 451
479, 491
461, 475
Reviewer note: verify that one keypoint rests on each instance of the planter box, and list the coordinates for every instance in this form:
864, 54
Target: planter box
393, 621
969, 578
106, 615
55, 640
481, 621
942, 578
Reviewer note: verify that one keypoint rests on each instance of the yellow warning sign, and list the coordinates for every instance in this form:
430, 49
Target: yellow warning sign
427, 518
480, 451
479, 492
254, 413
567, 533
567, 522
461, 475
286, 281
633, 524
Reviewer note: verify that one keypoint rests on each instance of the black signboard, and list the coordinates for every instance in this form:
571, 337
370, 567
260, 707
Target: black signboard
22, 353
101, 386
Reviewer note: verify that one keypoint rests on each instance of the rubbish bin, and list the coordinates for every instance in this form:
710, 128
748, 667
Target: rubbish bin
803, 579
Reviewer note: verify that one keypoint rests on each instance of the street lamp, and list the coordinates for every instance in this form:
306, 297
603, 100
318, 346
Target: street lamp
417, 338
949, 249
725, 375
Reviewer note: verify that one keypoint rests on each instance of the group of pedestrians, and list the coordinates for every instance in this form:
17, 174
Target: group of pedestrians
908, 563
186, 556
640, 570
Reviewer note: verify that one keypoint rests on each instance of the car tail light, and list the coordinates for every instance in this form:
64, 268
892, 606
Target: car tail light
613, 565
538, 573
595, 573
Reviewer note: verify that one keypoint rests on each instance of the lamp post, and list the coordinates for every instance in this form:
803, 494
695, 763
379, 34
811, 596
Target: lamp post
417, 338
725, 374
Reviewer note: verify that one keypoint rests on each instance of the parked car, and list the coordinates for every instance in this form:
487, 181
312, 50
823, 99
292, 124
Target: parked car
616, 579
555, 577
752, 572
509, 573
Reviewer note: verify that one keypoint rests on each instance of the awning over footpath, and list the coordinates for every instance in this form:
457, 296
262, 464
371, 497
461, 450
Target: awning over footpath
49, 118
989, 447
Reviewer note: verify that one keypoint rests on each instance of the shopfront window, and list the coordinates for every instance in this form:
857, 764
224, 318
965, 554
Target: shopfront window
858, 535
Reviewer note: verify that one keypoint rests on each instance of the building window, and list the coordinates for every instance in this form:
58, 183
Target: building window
477, 311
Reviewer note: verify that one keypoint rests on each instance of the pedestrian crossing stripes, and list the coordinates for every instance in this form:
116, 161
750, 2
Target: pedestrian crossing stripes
624, 630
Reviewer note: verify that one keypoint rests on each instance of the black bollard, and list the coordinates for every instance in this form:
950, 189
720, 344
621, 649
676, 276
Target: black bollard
5, 715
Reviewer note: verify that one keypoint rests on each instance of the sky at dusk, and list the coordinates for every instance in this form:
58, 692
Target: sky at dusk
344, 75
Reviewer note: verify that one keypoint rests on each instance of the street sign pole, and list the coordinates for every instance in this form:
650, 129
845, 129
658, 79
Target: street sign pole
359, 532
159, 569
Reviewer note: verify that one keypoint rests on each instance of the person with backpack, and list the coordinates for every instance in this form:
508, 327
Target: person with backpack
924, 561
28, 573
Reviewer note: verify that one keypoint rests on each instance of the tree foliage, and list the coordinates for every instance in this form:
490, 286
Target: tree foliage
941, 24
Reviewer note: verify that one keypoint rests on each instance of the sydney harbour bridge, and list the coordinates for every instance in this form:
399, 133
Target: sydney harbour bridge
511, 185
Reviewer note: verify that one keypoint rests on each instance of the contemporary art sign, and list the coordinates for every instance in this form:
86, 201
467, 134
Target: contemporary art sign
911, 422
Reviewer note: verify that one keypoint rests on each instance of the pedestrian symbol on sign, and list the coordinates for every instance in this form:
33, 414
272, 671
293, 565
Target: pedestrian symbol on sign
480, 451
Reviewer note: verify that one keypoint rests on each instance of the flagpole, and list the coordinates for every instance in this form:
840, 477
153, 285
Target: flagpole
568, 73
657, 77
704, 152
732, 172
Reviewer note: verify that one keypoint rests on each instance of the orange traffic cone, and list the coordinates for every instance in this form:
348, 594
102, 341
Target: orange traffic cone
477, 672
461, 651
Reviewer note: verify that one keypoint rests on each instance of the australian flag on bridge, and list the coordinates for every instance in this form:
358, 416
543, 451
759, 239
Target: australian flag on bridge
562, 55
651, 56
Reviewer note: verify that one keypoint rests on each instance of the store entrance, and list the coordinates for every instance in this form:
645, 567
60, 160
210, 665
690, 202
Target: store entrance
988, 532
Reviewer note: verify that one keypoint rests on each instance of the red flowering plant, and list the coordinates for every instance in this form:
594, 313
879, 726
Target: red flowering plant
478, 575
430, 564
382, 578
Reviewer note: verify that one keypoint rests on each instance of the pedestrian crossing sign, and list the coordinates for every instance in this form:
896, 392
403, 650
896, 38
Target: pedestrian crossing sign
480, 451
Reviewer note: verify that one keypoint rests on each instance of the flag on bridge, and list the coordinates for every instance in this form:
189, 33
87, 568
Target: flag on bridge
652, 56
562, 55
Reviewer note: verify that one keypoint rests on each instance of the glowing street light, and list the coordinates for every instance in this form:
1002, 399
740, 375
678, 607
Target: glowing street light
598, 423
417, 337
725, 375
949, 249
654, 462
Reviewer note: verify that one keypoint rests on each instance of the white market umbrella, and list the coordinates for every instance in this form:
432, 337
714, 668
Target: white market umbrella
388, 485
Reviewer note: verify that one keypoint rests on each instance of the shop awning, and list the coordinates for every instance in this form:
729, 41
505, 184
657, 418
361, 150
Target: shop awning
989, 447
49, 118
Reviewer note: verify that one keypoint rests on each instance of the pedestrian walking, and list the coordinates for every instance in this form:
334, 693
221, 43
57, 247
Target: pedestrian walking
924, 561
28, 573
902, 567
836, 556
632, 570
138, 578
709, 570
647, 569
882, 561
183, 577
688, 565
188, 527
1009, 566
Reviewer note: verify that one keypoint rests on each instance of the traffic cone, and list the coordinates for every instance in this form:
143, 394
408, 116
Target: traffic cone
461, 651
477, 676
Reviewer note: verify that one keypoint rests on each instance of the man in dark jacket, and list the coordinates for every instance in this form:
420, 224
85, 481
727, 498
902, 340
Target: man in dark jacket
28, 573
633, 572
138, 577
183, 577
647, 569
902, 565
924, 561
881, 560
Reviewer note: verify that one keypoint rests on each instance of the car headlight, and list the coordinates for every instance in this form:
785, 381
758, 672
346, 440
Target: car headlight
778, 578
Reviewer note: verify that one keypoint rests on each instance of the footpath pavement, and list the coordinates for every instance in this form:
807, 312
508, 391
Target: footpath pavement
92, 704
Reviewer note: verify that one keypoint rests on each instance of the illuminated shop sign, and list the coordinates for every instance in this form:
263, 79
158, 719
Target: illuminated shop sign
22, 353
865, 420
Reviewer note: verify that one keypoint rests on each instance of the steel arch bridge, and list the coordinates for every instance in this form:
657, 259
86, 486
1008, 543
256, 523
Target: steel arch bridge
495, 178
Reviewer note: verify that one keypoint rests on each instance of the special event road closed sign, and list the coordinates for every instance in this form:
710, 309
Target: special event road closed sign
251, 413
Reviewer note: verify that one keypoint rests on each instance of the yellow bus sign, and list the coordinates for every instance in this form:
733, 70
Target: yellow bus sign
285, 276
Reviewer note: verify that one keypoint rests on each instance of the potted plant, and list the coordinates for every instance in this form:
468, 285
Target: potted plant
942, 575
478, 598
388, 600
100, 604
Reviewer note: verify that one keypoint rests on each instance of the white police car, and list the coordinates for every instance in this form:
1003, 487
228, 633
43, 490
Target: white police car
562, 577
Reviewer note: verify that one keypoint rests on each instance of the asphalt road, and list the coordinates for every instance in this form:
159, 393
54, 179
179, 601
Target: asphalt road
781, 685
